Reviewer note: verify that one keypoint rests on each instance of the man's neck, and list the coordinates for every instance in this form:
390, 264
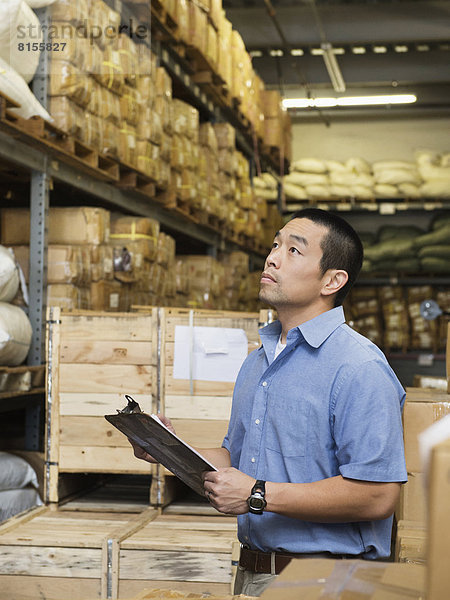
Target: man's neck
290, 318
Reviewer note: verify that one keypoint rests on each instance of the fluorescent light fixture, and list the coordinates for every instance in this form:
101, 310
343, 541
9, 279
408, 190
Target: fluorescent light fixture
349, 101
276, 53
422, 47
317, 51
255, 53
358, 50
380, 49
401, 48
297, 52
337, 51
334, 72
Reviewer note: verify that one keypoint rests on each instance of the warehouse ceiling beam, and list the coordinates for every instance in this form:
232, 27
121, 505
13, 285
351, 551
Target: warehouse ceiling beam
357, 23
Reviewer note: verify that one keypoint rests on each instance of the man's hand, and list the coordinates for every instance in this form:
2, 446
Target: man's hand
140, 452
228, 489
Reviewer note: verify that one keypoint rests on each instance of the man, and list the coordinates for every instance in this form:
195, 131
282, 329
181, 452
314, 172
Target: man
313, 459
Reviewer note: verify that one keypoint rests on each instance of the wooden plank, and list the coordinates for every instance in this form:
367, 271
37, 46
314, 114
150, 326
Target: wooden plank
50, 561
23, 587
206, 434
198, 407
175, 566
114, 327
22, 518
95, 459
240, 321
106, 352
98, 405
53, 339
129, 588
65, 530
91, 431
131, 379
200, 388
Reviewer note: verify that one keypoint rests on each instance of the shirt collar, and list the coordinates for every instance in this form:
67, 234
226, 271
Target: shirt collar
315, 331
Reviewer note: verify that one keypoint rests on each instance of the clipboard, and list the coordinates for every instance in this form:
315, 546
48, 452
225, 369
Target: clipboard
167, 448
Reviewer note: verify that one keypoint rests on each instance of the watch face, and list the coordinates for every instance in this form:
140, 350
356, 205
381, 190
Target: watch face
257, 503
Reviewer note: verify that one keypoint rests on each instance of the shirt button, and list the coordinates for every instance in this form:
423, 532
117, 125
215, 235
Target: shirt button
257, 421
264, 383
253, 460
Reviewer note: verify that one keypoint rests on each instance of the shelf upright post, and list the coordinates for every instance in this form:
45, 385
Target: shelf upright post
39, 207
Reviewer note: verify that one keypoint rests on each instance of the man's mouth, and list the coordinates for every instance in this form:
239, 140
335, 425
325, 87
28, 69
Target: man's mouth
266, 278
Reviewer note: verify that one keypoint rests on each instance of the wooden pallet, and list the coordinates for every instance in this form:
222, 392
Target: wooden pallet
51, 553
164, 27
132, 179
39, 133
15, 381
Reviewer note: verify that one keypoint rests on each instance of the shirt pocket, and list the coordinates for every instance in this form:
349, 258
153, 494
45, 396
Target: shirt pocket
287, 428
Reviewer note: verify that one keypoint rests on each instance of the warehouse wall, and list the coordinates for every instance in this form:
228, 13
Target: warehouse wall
372, 140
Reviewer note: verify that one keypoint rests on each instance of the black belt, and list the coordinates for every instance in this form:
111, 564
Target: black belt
274, 562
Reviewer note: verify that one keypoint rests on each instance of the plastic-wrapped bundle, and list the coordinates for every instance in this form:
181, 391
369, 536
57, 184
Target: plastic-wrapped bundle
16, 17
67, 80
15, 335
67, 115
15, 87
9, 275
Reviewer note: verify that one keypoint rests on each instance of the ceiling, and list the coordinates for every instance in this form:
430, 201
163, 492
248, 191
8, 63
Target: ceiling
381, 47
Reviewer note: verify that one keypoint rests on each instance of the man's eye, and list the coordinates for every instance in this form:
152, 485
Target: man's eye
275, 245
294, 250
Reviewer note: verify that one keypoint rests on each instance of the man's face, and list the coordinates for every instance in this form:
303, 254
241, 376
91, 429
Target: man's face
292, 275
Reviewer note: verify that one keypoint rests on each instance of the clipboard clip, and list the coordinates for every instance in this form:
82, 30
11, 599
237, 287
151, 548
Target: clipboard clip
131, 407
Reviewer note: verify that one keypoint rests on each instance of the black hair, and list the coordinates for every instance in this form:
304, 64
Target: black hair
341, 246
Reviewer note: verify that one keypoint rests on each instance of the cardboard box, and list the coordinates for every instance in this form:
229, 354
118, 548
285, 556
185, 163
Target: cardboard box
412, 503
72, 225
313, 579
438, 573
423, 407
410, 543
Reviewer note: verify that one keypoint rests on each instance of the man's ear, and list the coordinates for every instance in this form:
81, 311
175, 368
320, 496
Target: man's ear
334, 280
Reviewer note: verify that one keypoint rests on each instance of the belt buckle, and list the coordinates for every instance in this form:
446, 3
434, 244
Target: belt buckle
273, 566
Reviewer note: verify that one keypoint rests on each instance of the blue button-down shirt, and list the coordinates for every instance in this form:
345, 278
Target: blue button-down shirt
328, 405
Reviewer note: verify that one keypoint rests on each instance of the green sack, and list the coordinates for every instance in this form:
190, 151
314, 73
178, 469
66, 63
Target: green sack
439, 251
389, 232
432, 264
391, 249
439, 237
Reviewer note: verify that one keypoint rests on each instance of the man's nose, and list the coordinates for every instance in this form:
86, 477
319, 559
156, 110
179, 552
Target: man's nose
272, 259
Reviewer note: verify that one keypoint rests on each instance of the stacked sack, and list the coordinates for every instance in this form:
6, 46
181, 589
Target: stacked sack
433, 248
408, 248
394, 250
396, 179
435, 171
18, 63
315, 179
15, 327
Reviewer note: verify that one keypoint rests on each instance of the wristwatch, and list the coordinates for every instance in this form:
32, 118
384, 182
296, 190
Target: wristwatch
256, 501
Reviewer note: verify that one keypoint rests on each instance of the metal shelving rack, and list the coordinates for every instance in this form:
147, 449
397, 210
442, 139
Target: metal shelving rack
44, 171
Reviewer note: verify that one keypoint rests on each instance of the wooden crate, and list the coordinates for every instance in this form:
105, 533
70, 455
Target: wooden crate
189, 553
53, 554
93, 360
50, 553
199, 410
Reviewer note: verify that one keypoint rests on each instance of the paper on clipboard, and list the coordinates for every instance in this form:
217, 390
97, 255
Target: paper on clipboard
166, 447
